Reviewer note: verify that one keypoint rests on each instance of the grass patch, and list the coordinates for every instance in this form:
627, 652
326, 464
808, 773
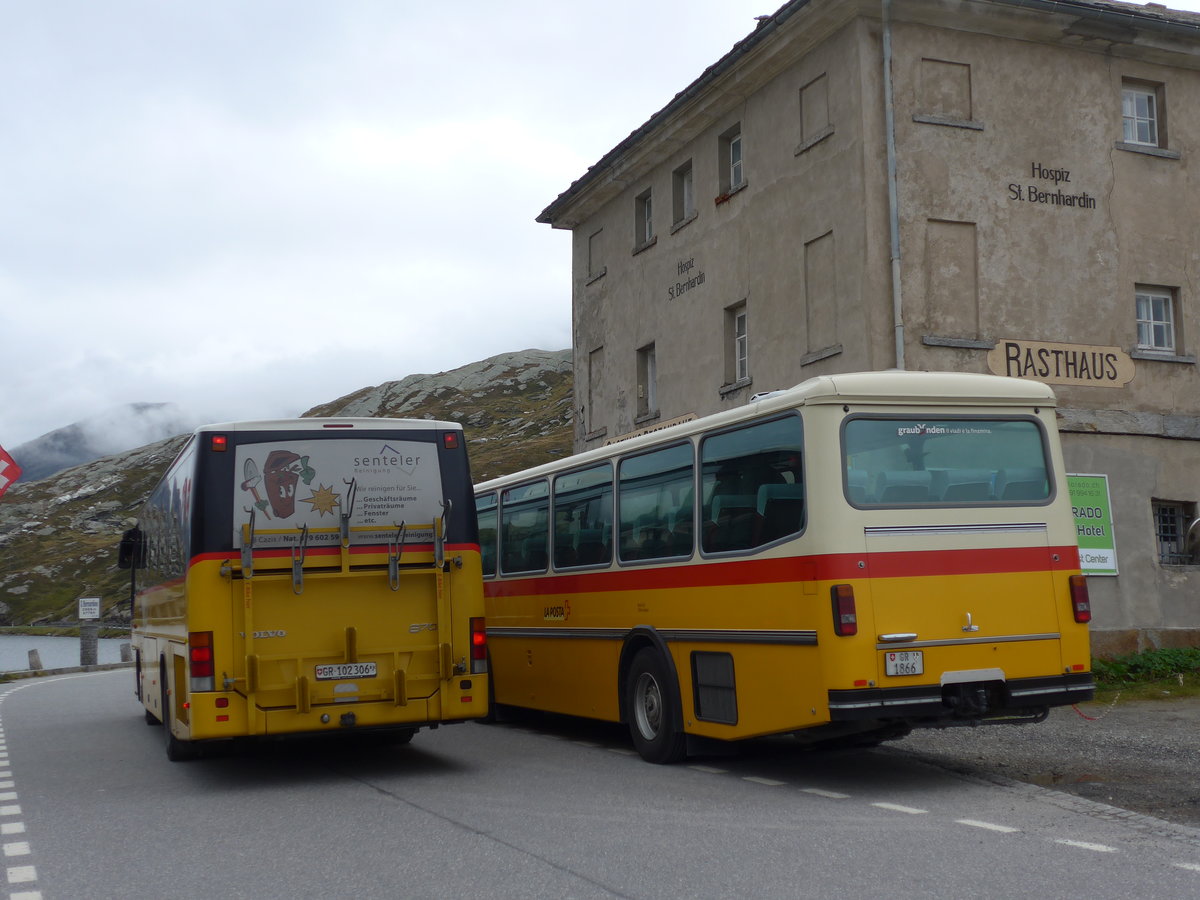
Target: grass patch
1167, 673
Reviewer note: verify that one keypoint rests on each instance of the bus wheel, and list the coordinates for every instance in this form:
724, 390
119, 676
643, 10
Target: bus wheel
177, 750
152, 719
652, 710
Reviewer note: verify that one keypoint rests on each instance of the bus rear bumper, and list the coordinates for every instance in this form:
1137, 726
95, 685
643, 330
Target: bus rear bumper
1022, 699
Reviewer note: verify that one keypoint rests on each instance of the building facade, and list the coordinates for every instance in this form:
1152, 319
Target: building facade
964, 185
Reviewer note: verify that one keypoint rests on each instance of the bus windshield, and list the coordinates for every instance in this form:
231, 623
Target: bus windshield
895, 461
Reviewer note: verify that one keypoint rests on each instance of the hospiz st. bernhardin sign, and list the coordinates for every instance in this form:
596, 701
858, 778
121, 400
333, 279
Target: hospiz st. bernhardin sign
1081, 364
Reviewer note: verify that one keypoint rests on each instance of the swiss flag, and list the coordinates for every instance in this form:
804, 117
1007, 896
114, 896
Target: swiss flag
9, 471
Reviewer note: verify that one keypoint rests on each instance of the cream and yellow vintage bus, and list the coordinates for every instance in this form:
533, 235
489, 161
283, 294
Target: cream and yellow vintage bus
847, 560
309, 576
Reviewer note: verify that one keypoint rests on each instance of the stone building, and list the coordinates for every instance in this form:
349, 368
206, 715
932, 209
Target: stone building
967, 185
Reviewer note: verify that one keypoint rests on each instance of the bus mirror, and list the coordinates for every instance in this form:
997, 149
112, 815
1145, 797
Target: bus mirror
132, 552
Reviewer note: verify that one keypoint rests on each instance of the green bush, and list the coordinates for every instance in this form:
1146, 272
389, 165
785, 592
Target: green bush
1149, 665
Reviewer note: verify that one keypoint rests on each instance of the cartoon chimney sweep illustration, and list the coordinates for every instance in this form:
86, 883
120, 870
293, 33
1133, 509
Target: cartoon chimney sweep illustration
281, 472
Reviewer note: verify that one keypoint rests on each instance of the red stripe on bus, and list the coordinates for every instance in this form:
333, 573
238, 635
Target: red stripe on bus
830, 567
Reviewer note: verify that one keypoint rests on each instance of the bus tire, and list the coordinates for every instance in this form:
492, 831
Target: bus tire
653, 710
152, 719
177, 750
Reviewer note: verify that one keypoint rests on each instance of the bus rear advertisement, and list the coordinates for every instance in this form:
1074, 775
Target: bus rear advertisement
308, 576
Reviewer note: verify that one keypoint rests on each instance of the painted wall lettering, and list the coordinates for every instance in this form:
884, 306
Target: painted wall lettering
688, 277
1036, 193
1061, 363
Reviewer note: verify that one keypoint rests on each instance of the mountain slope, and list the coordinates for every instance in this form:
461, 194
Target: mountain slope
117, 430
59, 536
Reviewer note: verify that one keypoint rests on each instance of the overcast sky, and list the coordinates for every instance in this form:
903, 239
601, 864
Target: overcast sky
250, 208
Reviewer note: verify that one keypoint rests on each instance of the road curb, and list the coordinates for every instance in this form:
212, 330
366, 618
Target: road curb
21, 674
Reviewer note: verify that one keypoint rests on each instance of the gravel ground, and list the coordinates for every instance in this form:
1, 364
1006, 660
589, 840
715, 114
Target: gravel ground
1139, 755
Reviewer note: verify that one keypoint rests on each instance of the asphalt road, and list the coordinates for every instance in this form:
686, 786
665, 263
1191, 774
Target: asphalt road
544, 807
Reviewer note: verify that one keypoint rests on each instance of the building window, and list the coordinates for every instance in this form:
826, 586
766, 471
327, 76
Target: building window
594, 391
737, 346
1141, 114
1172, 520
643, 221
1156, 319
595, 262
815, 125
647, 382
732, 172
684, 198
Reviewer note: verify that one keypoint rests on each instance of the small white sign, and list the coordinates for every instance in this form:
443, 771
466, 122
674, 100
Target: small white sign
89, 607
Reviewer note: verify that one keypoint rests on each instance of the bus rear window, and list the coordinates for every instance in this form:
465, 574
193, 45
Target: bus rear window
907, 462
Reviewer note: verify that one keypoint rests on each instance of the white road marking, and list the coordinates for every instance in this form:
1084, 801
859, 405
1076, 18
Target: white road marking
896, 807
21, 874
769, 782
1191, 867
711, 770
17, 848
830, 795
975, 823
1084, 845
12, 827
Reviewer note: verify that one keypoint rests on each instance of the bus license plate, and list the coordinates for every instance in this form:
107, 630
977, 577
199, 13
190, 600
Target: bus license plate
905, 662
336, 671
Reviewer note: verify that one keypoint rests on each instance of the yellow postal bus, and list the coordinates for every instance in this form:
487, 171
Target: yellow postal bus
847, 560
307, 576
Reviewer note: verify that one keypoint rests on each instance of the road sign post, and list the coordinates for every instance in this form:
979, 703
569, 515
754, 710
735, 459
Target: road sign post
89, 630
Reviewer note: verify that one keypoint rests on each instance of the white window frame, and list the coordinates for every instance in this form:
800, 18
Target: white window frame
647, 381
741, 345
685, 193
1140, 115
731, 162
1155, 311
644, 223
736, 176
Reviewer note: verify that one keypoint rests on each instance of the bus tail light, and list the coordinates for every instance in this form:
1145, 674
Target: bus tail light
1081, 603
845, 614
200, 661
478, 646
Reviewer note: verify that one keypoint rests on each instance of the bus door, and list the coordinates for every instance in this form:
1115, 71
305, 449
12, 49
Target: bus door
962, 604
329, 617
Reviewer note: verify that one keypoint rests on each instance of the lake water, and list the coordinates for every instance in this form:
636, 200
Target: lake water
56, 652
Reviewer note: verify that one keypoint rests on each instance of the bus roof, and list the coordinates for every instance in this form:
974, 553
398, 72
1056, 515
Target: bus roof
347, 423
888, 387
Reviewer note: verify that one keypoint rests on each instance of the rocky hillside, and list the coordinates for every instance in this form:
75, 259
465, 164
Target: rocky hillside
58, 536
516, 407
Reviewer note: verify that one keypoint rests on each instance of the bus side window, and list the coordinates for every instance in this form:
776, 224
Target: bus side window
485, 508
654, 487
753, 485
583, 518
524, 528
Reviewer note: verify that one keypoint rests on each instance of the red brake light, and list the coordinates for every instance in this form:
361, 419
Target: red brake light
845, 614
478, 645
450, 440
200, 654
1081, 603
220, 443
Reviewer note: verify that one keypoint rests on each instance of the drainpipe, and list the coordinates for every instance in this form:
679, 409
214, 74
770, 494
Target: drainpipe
893, 204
